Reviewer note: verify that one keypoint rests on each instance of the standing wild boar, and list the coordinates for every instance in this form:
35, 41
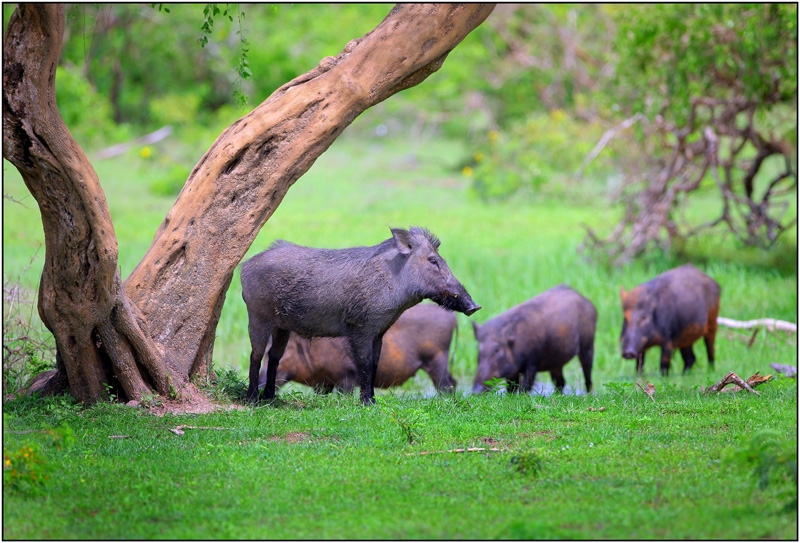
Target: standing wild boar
356, 293
542, 334
672, 310
419, 339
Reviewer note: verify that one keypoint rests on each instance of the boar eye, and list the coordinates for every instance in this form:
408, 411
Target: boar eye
432, 260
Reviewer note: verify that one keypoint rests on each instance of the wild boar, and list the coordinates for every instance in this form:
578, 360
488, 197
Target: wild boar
672, 310
542, 334
356, 293
419, 339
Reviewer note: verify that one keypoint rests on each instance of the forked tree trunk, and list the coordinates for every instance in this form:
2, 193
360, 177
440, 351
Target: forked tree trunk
157, 329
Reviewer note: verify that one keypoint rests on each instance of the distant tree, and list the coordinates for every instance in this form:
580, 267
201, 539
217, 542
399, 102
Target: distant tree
156, 329
714, 90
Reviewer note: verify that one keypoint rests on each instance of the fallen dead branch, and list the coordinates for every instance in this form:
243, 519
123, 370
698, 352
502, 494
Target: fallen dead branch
147, 139
740, 384
770, 324
468, 449
179, 430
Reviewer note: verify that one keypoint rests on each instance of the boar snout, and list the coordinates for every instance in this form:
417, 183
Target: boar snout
471, 309
477, 388
457, 301
628, 354
631, 347
465, 303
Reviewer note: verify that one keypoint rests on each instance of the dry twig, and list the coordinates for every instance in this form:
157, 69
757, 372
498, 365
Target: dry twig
770, 324
741, 384
179, 430
468, 449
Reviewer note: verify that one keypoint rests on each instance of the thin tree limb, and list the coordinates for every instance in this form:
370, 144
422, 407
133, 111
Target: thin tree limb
610, 133
769, 324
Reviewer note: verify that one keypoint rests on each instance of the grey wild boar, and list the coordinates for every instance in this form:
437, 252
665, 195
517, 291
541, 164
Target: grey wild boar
672, 310
541, 334
419, 339
356, 293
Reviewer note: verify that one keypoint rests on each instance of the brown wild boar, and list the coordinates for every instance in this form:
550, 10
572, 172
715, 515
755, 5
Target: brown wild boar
672, 310
419, 339
542, 334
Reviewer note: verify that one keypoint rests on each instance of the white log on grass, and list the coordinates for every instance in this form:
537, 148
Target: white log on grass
769, 324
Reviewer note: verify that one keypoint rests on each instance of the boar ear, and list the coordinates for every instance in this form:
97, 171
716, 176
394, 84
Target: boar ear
475, 328
622, 293
402, 239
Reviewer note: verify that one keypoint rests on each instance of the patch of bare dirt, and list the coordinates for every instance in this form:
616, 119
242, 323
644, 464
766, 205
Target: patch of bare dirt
190, 400
292, 437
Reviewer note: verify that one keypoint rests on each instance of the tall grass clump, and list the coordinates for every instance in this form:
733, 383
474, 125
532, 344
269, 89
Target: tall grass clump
27, 349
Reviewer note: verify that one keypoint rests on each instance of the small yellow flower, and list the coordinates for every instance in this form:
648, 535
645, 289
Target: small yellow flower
146, 152
467, 171
478, 157
493, 135
8, 461
558, 115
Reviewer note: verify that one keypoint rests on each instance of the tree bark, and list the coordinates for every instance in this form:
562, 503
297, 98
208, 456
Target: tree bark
157, 329
81, 300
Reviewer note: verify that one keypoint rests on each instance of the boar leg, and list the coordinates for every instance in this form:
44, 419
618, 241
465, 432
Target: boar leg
437, 371
529, 377
688, 358
348, 382
323, 388
259, 338
279, 340
666, 357
586, 356
640, 364
709, 340
558, 379
366, 354
711, 334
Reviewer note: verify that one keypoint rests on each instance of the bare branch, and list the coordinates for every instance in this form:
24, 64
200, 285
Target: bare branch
770, 324
610, 133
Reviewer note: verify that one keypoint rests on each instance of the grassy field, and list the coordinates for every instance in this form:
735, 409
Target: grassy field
614, 464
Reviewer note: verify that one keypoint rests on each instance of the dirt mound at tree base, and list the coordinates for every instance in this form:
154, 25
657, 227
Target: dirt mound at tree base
190, 400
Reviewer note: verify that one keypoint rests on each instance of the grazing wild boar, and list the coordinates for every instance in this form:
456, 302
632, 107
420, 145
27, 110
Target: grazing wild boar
542, 334
419, 339
355, 293
672, 310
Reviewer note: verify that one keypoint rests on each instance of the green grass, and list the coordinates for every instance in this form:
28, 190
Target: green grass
315, 467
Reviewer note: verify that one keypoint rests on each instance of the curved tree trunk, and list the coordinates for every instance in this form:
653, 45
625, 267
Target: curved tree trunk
157, 329
81, 300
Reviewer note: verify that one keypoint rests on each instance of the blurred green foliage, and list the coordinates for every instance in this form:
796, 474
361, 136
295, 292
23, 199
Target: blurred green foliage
149, 65
670, 53
602, 64
773, 460
86, 112
538, 154
544, 81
